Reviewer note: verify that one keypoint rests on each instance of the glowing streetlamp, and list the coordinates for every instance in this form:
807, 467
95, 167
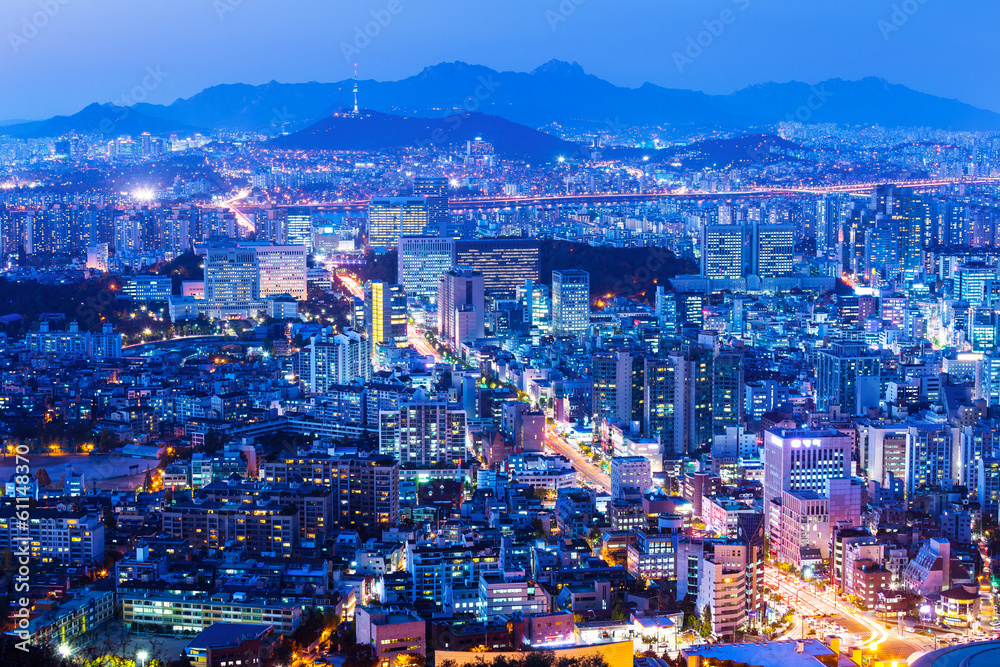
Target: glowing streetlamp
64, 650
142, 655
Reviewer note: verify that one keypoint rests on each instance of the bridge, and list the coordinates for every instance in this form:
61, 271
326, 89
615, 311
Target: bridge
464, 204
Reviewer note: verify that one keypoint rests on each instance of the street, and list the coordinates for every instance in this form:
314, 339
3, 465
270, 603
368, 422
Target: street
869, 633
585, 468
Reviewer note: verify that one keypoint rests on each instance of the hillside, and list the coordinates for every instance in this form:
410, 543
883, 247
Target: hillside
375, 131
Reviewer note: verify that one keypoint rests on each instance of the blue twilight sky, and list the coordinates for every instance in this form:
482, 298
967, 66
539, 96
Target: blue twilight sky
57, 56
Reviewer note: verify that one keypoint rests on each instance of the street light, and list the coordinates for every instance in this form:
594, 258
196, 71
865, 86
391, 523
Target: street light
142, 655
64, 650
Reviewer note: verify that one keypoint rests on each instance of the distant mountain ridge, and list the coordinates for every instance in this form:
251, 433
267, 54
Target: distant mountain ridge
101, 119
556, 92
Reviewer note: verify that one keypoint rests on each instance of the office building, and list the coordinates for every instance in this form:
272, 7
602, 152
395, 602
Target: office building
504, 262
848, 376
282, 270
613, 386
421, 263
773, 250
390, 218
385, 314
240, 276
298, 227
185, 613
434, 190
461, 306
930, 455
570, 302
663, 402
630, 476
727, 391
988, 489
226, 644
802, 460
149, 288
723, 253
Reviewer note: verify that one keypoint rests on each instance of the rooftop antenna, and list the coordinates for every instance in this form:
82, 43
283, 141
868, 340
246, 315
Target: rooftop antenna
355, 88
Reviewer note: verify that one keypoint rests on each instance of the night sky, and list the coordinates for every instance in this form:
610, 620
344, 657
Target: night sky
58, 60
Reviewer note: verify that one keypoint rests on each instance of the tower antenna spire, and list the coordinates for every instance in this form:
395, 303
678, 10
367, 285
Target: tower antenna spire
355, 88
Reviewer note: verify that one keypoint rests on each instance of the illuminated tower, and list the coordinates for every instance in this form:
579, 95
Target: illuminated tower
355, 89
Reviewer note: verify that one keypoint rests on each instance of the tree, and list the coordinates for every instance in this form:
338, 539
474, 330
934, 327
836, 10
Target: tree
360, 655
42, 477
411, 660
706, 621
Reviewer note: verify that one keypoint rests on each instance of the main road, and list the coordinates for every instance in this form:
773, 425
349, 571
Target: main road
808, 603
585, 468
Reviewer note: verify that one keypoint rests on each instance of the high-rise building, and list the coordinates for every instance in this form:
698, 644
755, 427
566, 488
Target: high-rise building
504, 262
385, 314
334, 359
570, 302
424, 432
802, 460
929, 455
282, 270
390, 218
664, 402
434, 189
988, 488
612, 393
698, 382
911, 217
723, 254
847, 375
461, 306
365, 488
773, 250
298, 227
421, 262
240, 275
232, 280
727, 391
828, 210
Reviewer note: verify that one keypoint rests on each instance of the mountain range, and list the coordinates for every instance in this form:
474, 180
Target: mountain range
556, 93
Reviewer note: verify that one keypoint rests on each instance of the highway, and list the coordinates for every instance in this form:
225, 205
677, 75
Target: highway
585, 468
